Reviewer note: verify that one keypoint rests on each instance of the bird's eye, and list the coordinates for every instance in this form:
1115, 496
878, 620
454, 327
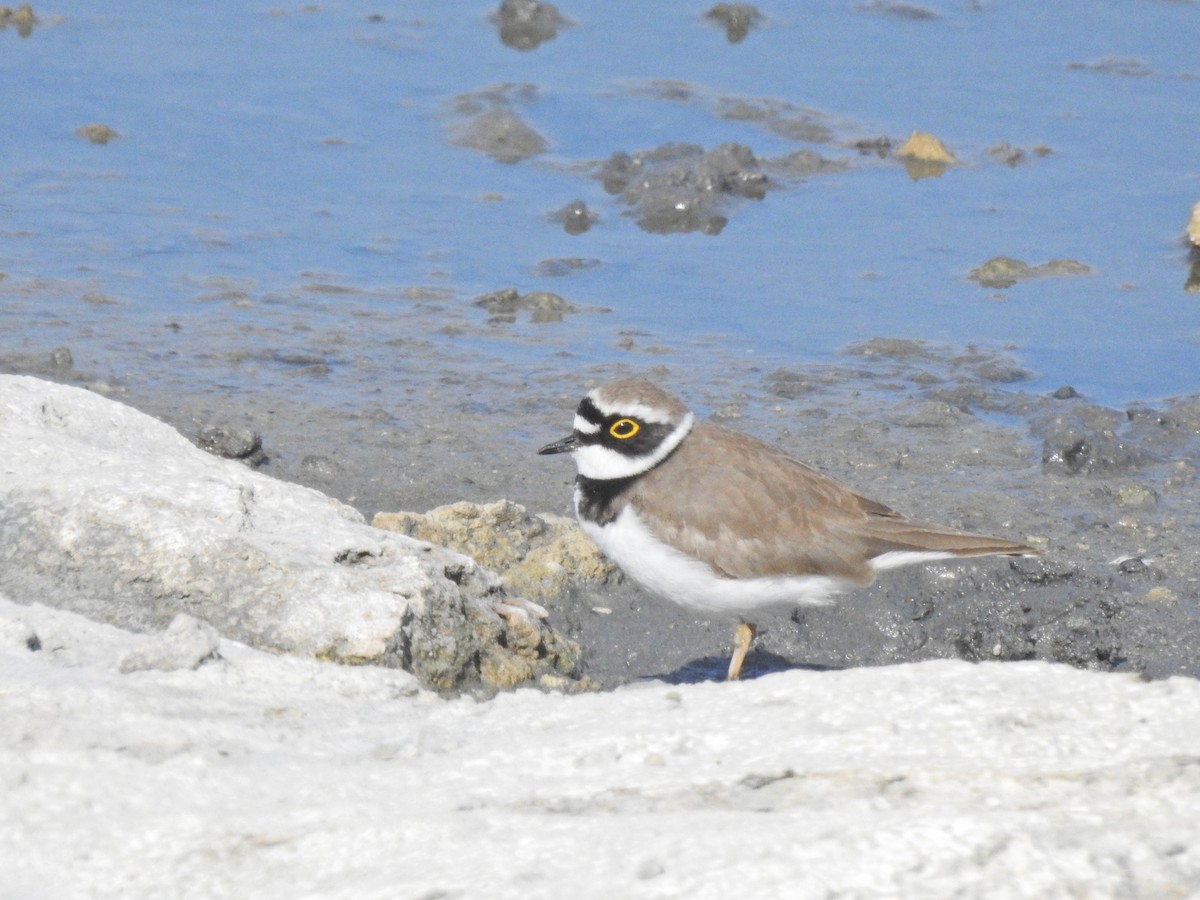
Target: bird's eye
623, 429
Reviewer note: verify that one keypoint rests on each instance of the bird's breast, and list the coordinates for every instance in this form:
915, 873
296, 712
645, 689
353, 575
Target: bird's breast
662, 569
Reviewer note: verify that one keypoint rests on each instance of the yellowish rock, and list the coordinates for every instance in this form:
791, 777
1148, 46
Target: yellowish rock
1193, 226
21, 18
97, 133
926, 148
1161, 595
503, 670
925, 156
538, 556
1136, 496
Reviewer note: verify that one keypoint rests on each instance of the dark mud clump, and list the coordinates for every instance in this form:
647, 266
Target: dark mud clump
232, 442
1124, 66
681, 187
575, 217
1004, 271
805, 164
1006, 154
736, 18
502, 135
526, 24
909, 11
502, 306
563, 266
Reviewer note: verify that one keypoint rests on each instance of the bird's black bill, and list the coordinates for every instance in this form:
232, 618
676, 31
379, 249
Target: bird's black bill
566, 445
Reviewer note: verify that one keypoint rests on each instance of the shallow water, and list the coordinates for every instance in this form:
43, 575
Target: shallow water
285, 194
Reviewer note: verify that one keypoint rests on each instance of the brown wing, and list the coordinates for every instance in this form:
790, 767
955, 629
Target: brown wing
750, 510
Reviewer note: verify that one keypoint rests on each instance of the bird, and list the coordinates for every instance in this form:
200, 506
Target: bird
728, 526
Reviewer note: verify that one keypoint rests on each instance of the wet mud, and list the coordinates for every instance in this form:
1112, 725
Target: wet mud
940, 432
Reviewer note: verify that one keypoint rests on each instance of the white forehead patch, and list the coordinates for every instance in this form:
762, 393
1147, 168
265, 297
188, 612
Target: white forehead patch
583, 426
634, 410
604, 463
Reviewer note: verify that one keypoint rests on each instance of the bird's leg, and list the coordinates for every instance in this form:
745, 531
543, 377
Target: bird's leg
742, 637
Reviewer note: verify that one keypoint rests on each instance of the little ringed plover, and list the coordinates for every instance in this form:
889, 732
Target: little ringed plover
726, 525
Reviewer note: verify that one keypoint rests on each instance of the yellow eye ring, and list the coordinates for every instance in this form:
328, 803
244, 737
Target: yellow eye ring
623, 429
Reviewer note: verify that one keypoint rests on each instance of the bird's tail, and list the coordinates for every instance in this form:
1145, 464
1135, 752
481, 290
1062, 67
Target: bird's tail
899, 541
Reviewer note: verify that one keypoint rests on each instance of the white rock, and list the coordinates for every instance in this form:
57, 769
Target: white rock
272, 776
111, 513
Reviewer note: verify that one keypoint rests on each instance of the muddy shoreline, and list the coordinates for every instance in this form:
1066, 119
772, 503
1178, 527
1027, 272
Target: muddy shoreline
940, 432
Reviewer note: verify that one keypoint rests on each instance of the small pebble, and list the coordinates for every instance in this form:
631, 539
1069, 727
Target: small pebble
231, 442
1135, 565
1136, 496
97, 133
1161, 595
576, 218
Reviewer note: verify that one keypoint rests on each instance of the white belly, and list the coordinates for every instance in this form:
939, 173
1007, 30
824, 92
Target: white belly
665, 571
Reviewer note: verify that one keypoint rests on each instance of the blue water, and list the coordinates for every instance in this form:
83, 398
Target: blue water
266, 152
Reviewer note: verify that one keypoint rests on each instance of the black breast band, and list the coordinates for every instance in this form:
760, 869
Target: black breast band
599, 497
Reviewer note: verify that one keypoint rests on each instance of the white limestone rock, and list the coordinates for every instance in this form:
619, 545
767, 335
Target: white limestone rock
261, 775
113, 514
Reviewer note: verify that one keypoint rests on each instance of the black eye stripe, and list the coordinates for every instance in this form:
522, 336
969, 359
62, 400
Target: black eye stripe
590, 412
648, 436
